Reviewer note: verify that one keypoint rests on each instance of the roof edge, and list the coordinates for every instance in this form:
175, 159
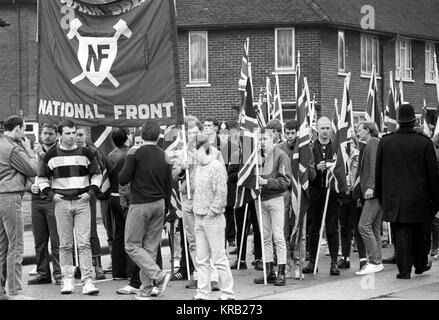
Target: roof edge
318, 11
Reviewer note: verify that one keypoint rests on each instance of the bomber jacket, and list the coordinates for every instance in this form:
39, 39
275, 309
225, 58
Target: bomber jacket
276, 168
16, 165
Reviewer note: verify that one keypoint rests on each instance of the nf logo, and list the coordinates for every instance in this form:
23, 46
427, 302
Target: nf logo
96, 55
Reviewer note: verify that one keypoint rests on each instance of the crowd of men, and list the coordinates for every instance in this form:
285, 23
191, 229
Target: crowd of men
392, 178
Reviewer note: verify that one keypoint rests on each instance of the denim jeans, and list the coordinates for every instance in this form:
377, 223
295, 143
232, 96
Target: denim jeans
11, 243
143, 229
273, 217
43, 229
370, 229
349, 217
210, 237
74, 215
189, 227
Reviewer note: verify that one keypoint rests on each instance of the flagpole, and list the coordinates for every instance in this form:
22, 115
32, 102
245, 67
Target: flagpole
242, 236
280, 103
301, 226
188, 271
185, 152
260, 210
171, 245
268, 94
321, 229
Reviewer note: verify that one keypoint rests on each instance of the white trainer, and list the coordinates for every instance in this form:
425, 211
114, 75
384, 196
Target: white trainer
370, 268
127, 290
89, 288
33, 272
67, 286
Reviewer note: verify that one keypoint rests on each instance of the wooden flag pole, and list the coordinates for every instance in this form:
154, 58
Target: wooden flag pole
171, 245
321, 229
185, 153
302, 227
186, 251
260, 211
280, 103
242, 236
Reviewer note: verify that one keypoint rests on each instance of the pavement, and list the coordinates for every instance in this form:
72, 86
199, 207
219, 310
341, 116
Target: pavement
322, 286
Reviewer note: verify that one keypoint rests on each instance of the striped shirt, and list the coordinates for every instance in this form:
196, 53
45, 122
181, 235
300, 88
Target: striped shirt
69, 172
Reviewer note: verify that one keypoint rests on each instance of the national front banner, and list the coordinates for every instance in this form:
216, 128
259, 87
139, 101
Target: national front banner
113, 64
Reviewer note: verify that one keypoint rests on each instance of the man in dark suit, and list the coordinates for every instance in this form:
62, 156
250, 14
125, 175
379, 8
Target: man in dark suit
407, 187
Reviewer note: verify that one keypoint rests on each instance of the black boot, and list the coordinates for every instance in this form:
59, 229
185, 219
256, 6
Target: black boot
99, 273
334, 271
271, 275
280, 280
310, 267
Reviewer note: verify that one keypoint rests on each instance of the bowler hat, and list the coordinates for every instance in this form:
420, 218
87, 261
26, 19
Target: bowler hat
406, 113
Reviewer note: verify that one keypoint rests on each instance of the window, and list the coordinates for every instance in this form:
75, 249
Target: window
341, 52
198, 70
284, 46
403, 60
359, 116
429, 63
370, 54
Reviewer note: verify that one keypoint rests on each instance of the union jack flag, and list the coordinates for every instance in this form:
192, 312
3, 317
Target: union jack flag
277, 104
246, 185
390, 112
338, 167
100, 137
301, 156
176, 200
242, 84
372, 109
262, 110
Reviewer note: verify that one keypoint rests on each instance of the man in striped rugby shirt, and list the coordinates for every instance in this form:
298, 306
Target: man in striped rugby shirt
71, 176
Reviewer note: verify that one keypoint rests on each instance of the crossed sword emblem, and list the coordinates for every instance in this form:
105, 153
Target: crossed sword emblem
121, 28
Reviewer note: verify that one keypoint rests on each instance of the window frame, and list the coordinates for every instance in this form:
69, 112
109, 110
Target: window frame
342, 34
363, 52
293, 44
431, 47
198, 82
408, 49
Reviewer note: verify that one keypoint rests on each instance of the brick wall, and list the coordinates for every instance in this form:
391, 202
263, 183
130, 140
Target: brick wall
332, 84
225, 49
318, 51
18, 61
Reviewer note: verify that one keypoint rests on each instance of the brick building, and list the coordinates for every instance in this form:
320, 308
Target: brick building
328, 34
